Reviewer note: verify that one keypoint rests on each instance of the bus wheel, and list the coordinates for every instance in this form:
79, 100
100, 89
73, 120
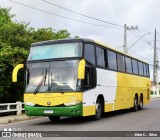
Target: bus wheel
98, 114
135, 108
54, 118
140, 107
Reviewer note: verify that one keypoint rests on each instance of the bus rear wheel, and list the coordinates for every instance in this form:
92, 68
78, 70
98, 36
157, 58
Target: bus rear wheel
98, 113
54, 118
135, 107
140, 107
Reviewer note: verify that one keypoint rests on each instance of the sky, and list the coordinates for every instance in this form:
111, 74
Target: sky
142, 13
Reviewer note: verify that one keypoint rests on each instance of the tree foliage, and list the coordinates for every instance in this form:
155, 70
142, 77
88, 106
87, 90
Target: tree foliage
15, 40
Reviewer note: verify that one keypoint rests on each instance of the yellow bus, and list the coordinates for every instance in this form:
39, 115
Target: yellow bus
81, 77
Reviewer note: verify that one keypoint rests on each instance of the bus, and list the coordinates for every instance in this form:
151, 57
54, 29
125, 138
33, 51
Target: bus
82, 77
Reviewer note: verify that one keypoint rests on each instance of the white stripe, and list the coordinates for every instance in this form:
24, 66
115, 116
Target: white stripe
107, 83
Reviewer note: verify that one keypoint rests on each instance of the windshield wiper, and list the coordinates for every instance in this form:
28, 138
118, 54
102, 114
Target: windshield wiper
41, 82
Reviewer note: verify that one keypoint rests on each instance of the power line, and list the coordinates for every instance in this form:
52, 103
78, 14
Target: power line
141, 56
139, 32
138, 40
82, 14
62, 16
71, 19
134, 34
144, 41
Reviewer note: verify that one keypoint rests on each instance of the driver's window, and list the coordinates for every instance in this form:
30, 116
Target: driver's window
90, 78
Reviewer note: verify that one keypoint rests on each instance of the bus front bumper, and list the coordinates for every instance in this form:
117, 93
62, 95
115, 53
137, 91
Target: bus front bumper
73, 111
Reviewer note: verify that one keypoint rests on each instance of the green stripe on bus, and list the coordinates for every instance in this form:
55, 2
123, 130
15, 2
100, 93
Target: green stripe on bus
54, 111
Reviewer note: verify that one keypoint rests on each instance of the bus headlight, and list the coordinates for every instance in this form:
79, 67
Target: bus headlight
29, 103
72, 103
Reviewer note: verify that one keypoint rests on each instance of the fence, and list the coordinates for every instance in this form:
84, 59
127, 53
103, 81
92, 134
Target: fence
12, 107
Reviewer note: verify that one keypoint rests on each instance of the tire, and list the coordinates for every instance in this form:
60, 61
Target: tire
54, 118
140, 106
135, 107
99, 111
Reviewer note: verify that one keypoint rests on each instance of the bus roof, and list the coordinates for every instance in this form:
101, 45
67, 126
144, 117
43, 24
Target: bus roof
80, 40
48, 42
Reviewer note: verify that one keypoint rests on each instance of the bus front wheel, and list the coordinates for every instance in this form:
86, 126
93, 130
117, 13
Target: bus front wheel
54, 118
98, 113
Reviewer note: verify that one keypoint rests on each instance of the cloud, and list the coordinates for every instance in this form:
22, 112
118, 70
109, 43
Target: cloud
143, 13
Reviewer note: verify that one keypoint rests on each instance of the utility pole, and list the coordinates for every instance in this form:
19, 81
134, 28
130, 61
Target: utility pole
125, 35
155, 67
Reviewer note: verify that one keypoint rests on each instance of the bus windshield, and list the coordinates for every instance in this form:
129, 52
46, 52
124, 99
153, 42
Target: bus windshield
62, 50
55, 76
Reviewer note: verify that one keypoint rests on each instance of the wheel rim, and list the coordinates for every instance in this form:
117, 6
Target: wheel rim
98, 109
141, 103
136, 104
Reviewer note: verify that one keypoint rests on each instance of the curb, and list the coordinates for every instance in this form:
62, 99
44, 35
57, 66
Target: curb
153, 97
15, 118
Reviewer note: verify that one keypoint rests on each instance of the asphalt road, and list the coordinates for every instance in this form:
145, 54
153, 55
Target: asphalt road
147, 119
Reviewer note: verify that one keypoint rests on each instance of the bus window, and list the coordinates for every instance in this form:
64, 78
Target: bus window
128, 65
140, 66
100, 57
144, 69
135, 66
90, 78
147, 70
61, 50
112, 60
121, 65
89, 54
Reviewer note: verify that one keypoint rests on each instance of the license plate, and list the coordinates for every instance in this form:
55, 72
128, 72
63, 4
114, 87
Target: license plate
48, 111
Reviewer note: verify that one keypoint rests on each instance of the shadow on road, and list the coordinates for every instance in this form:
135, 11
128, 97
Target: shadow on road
89, 119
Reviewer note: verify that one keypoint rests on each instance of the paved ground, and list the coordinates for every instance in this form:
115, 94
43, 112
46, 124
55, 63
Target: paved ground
125, 120
5, 119
14, 118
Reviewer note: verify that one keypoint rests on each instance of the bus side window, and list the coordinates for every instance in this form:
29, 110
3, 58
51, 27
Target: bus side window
144, 69
89, 53
100, 57
121, 64
147, 70
128, 65
140, 66
90, 78
112, 60
135, 66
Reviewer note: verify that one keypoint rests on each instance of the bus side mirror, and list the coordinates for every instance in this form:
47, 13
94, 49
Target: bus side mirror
81, 69
15, 71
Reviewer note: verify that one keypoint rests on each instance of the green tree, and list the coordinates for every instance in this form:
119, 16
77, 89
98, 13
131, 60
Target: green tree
15, 40
43, 34
9, 57
5, 16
